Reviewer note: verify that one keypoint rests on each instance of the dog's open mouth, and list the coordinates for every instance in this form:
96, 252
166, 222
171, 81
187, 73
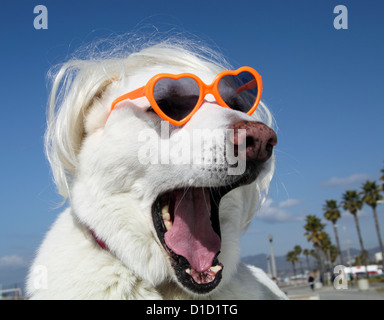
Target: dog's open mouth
187, 224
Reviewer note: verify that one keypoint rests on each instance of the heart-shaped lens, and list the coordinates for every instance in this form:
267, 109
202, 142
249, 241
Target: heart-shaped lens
176, 97
239, 92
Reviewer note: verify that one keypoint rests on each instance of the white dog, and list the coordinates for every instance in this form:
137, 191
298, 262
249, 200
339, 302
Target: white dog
144, 223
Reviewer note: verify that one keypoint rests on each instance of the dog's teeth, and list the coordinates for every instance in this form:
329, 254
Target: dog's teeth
165, 213
168, 224
166, 216
165, 209
216, 269
188, 271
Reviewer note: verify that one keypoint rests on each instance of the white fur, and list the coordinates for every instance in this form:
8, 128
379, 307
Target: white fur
94, 164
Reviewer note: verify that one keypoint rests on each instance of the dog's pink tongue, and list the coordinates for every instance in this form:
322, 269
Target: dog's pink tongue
191, 235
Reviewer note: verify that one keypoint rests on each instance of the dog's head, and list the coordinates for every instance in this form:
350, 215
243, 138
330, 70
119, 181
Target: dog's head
169, 201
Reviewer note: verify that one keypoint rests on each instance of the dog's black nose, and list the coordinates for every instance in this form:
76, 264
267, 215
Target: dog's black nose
259, 140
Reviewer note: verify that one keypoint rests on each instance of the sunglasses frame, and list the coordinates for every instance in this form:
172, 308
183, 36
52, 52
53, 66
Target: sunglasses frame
205, 89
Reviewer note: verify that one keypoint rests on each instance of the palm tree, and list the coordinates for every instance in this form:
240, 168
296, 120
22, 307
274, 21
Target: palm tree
332, 213
313, 254
306, 253
313, 228
371, 195
359, 259
333, 253
292, 257
325, 243
352, 202
298, 252
382, 179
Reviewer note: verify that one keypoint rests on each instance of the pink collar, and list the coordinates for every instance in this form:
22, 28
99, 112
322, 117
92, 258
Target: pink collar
100, 242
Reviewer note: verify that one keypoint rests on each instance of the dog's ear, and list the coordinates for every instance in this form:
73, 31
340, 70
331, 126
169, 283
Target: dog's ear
77, 90
96, 114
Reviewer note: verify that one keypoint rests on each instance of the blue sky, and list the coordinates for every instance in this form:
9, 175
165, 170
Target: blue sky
324, 87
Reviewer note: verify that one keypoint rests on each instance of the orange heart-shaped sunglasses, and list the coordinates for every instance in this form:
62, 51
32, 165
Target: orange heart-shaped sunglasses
176, 98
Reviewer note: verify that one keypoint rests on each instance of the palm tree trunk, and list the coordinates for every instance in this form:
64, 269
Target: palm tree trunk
307, 259
321, 263
378, 234
361, 244
294, 269
338, 244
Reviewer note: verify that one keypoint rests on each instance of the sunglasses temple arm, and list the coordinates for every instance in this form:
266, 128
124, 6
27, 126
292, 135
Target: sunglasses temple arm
135, 94
248, 86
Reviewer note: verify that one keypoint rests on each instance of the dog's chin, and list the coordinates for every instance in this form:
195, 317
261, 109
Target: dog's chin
187, 224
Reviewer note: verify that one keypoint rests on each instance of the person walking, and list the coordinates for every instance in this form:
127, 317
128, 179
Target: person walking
311, 281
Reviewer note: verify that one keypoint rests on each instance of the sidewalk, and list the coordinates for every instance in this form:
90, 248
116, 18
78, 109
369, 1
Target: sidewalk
375, 292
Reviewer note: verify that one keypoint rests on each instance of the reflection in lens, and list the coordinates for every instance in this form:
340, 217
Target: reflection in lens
239, 92
176, 98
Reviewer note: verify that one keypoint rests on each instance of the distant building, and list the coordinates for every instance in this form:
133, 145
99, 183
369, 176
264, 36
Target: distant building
372, 269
